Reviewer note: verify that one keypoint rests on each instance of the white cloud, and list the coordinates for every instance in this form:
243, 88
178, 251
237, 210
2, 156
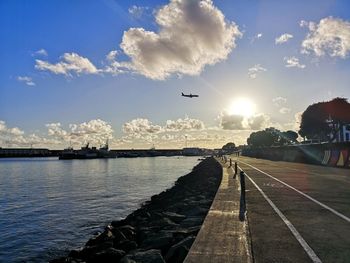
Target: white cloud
231, 122
192, 34
140, 125
330, 36
255, 70
70, 63
5, 131
278, 101
238, 122
145, 126
137, 11
111, 56
293, 62
256, 37
15, 137
114, 67
141, 130
258, 121
284, 110
297, 118
94, 131
295, 124
41, 52
186, 124
55, 130
303, 23
26, 80
283, 38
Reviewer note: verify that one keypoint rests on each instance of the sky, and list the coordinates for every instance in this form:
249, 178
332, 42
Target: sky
75, 72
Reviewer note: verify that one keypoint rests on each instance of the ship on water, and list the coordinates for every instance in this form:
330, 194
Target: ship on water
87, 152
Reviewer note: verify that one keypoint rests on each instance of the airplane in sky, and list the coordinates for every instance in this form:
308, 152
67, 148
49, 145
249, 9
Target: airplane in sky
189, 95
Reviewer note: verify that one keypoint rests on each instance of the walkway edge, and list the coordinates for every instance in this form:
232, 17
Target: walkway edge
223, 237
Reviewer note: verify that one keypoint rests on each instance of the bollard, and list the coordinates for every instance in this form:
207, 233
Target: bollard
236, 170
230, 162
242, 205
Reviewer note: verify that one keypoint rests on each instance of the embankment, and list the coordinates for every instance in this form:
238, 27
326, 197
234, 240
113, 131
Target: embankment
335, 154
163, 229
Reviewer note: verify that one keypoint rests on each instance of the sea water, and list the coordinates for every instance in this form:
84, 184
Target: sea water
50, 206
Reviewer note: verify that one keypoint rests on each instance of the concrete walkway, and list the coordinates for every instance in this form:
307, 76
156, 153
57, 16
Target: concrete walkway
223, 237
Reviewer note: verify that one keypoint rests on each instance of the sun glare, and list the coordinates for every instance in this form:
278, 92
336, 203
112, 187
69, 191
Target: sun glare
242, 106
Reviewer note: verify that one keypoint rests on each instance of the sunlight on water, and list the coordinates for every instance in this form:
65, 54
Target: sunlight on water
48, 206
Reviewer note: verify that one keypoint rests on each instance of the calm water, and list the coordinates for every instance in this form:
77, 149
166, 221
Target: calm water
49, 206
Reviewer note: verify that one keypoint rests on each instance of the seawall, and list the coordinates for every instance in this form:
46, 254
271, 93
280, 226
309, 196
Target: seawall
163, 228
328, 154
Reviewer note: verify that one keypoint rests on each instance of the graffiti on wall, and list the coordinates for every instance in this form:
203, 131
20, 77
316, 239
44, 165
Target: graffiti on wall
338, 158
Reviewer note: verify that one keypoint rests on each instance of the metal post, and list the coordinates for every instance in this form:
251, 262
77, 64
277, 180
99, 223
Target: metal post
242, 205
236, 169
230, 162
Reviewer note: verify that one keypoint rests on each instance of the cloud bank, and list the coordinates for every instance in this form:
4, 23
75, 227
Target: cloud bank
137, 11
283, 38
27, 80
15, 137
293, 62
145, 126
330, 36
70, 63
94, 131
255, 70
238, 122
192, 34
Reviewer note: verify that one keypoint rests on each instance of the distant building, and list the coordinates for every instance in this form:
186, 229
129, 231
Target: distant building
194, 151
339, 132
24, 152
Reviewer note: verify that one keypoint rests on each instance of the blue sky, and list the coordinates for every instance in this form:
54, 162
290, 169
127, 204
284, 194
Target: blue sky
48, 98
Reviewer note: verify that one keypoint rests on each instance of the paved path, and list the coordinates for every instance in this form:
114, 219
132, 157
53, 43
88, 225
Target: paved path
297, 212
223, 237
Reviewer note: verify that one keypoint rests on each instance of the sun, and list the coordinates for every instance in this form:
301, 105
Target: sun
242, 106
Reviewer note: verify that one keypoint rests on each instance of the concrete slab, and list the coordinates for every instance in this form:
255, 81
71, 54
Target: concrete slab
223, 237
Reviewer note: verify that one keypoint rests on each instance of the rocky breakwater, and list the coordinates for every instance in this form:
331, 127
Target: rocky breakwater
163, 229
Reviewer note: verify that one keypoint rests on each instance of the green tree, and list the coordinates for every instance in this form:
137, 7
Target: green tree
261, 138
290, 136
322, 119
271, 136
229, 147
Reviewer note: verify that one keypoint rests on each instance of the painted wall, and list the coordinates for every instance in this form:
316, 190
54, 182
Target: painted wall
335, 154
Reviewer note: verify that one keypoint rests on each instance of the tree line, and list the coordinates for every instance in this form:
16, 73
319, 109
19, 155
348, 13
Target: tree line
320, 121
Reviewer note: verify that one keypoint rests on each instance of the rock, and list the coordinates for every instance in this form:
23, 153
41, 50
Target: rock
74, 253
105, 236
148, 256
126, 245
158, 241
58, 260
192, 221
172, 217
196, 211
181, 233
178, 252
178, 256
177, 218
118, 223
128, 231
118, 236
163, 222
109, 255
89, 251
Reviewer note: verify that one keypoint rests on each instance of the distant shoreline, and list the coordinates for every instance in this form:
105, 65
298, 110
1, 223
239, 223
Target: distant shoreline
127, 153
